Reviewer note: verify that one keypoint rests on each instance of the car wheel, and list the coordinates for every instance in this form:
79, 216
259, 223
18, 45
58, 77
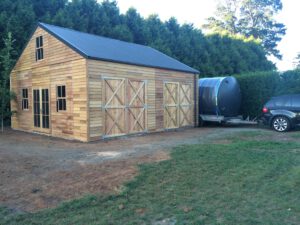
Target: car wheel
281, 124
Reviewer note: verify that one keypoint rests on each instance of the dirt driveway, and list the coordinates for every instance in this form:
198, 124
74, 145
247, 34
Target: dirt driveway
37, 172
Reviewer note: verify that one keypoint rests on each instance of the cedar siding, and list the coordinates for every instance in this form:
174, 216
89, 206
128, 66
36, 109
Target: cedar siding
61, 66
103, 98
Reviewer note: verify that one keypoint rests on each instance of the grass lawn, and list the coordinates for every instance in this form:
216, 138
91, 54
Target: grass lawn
245, 181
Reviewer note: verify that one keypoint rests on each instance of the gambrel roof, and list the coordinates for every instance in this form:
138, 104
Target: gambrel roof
107, 49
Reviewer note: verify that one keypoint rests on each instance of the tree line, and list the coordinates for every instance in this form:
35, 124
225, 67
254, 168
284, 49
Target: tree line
217, 54
250, 18
212, 55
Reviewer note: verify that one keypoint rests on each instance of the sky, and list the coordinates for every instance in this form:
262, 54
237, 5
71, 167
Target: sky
196, 11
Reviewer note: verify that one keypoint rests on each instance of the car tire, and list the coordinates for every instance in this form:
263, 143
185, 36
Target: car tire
281, 124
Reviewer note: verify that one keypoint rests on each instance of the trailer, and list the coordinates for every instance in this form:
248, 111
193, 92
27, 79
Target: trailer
220, 101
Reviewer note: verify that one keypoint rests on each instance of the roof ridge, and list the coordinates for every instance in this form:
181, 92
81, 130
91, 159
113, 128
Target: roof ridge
96, 35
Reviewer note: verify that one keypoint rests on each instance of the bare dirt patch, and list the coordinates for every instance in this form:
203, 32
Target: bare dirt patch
38, 172
53, 187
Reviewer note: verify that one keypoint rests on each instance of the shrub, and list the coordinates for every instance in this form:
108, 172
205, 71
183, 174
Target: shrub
259, 87
289, 83
256, 89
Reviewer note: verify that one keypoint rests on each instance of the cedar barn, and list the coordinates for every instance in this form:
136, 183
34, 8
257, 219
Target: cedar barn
81, 86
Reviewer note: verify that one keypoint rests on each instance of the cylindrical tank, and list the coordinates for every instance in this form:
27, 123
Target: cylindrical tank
220, 96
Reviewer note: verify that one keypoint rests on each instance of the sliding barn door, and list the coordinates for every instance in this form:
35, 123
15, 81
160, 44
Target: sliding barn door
185, 105
171, 105
136, 111
124, 106
178, 105
114, 106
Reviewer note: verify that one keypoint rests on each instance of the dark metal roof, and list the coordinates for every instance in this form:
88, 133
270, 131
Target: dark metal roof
107, 49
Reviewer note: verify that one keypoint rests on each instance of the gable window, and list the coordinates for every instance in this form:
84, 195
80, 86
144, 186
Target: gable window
39, 52
61, 102
25, 99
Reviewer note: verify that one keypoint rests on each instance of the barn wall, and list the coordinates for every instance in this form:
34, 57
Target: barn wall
155, 79
97, 70
60, 66
84, 118
162, 77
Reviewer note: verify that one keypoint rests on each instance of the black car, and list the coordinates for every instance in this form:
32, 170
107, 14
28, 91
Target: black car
283, 112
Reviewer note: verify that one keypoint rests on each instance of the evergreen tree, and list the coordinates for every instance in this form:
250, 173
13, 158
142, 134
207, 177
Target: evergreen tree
212, 55
157, 34
136, 25
46, 10
7, 62
17, 17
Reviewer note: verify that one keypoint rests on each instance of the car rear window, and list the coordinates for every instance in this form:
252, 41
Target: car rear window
270, 103
284, 101
296, 101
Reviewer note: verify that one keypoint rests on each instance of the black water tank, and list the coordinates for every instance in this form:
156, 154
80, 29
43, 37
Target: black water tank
220, 96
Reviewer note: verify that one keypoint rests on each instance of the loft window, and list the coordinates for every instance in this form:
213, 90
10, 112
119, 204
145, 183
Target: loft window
25, 99
61, 102
39, 52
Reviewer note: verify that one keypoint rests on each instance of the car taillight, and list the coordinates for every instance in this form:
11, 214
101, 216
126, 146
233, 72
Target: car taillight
265, 110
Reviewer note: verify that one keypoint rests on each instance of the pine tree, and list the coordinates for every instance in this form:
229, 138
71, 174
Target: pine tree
6, 59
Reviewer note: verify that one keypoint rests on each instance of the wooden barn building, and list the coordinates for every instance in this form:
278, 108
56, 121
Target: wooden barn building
81, 86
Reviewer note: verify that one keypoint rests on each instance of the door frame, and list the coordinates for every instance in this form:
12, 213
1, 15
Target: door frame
41, 129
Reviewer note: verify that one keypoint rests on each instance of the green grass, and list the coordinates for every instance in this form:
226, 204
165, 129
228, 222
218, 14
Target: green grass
295, 135
246, 182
